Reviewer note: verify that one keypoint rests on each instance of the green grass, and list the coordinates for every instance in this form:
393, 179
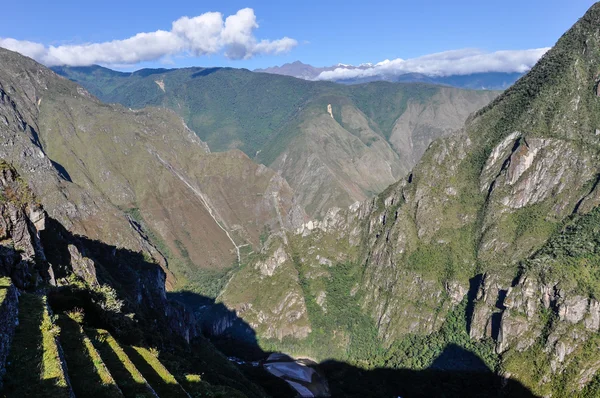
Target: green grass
128, 378
5, 283
34, 366
161, 380
87, 372
204, 367
572, 255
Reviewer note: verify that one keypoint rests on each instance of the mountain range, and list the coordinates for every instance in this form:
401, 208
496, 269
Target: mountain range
410, 239
475, 81
333, 144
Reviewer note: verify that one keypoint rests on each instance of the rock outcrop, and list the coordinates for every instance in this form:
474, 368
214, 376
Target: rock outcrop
21, 220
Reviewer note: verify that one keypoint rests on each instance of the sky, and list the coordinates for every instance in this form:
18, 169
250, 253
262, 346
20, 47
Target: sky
505, 35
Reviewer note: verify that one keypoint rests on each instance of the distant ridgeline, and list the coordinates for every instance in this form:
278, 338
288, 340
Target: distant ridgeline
474, 81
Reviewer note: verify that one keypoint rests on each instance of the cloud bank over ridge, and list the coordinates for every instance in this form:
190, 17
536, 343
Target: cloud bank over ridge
447, 63
206, 34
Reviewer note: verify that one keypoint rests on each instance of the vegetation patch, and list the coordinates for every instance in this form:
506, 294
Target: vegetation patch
87, 372
161, 380
128, 378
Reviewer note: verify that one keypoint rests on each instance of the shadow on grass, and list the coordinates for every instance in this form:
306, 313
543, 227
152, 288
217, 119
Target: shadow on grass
83, 369
26, 367
158, 381
123, 376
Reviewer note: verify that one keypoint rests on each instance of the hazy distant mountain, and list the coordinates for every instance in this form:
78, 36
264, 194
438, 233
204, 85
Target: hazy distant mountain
487, 80
305, 71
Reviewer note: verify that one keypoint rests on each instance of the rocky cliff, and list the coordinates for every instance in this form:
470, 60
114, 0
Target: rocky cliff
500, 215
34, 254
77, 315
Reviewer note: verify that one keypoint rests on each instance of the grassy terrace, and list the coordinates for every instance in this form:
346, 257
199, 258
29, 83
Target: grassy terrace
34, 365
4, 285
156, 374
88, 374
128, 378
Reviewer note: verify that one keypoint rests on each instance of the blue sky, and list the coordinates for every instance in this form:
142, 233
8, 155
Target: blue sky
325, 32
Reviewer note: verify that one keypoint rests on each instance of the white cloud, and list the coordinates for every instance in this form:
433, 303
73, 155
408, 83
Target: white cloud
202, 35
456, 62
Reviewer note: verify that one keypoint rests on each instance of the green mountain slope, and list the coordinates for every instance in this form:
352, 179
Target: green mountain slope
495, 226
137, 179
373, 136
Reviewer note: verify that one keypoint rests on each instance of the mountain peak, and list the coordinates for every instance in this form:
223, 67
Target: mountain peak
559, 95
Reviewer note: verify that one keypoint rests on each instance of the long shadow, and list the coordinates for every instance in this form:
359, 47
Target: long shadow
456, 372
178, 324
474, 284
25, 370
205, 72
348, 381
83, 371
123, 377
162, 387
139, 283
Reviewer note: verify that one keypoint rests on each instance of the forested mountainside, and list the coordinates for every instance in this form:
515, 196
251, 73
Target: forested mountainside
477, 274
490, 243
79, 317
92, 217
333, 144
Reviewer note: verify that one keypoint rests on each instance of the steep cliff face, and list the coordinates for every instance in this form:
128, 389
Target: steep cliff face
37, 250
21, 220
136, 179
486, 216
58, 294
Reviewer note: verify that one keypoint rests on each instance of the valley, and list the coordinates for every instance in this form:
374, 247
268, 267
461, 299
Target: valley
217, 232
376, 132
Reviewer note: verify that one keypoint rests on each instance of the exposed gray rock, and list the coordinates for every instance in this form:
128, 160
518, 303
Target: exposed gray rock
268, 266
573, 309
592, 321
82, 266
